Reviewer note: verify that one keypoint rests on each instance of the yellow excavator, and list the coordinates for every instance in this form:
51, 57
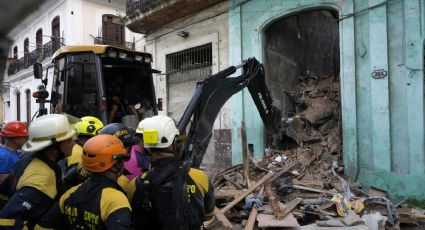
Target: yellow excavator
86, 79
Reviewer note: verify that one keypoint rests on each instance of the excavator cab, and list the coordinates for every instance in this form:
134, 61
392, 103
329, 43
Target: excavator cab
111, 83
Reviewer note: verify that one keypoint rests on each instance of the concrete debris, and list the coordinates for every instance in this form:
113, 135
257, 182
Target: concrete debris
374, 221
319, 197
301, 183
268, 221
315, 227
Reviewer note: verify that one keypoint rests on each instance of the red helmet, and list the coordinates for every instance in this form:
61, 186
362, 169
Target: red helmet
14, 129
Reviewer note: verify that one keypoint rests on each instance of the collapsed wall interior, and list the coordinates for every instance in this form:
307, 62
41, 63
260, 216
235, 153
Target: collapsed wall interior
302, 72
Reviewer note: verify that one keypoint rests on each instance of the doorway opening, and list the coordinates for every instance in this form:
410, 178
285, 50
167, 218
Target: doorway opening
301, 56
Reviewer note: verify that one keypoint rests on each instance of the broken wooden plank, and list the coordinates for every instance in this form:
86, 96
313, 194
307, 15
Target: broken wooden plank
242, 196
309, 183
289, 207
409, 213
270, 176
304, 195
273, 201
312, 159
226, 194
251, 219
324, 207
245, 157
221, 218
288, 168
253, 215
377, 192
312, 189
247, 192
231, 180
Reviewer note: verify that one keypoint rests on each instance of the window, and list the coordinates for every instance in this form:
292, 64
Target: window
26, 50
39, 42
199, 58
184, 69
56, 33
15, 52
18, 106
28, 104
112, 30
81, 97
39, 38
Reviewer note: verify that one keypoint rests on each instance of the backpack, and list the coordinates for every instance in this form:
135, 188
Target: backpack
161, 199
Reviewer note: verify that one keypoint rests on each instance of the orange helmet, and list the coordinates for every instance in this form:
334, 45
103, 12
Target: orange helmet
101, 152
14, 129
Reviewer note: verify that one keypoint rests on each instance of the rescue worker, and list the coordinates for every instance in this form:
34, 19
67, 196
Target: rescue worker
99, 202
121, 100
127, 138
38, 176
139, 161
86, 128
14, 134
168, 196
122, 132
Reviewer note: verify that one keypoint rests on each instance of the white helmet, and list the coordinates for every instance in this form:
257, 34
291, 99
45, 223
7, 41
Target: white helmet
158, 131
47, 129
139, 128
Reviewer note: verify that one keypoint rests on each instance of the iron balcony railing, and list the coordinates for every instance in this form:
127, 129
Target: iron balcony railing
133, 5
101, 41
38, 55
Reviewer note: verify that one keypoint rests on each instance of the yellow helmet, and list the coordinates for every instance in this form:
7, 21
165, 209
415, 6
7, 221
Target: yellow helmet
88, 126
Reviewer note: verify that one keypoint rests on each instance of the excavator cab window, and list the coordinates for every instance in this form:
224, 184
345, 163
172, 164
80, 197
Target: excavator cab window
104, 85
128, 89
81, 83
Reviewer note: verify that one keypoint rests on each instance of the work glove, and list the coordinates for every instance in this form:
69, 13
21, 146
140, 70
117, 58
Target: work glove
251, 199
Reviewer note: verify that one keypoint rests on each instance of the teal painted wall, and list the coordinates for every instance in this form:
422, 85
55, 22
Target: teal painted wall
383, 119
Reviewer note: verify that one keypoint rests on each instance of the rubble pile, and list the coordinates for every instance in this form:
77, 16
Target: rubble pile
302, 186
277, 195
316, 127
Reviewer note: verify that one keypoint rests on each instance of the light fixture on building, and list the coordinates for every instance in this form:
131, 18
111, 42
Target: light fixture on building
183, 34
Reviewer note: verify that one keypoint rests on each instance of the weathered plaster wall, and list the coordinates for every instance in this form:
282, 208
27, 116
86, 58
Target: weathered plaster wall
209, 26
383, 117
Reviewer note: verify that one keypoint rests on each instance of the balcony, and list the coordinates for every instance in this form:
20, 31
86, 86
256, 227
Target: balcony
38, 55
148, 15
101, 41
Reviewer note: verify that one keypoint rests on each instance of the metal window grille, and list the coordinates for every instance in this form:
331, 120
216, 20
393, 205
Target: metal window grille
28, 104
190, 64
18, 106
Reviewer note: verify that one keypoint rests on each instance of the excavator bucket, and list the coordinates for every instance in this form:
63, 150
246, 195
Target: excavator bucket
210, 96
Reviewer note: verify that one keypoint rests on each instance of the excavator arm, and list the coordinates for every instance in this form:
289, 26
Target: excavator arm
210, 96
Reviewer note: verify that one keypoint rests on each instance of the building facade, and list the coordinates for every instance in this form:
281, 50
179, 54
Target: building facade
381, 50
54, 24
374, 47
189, 42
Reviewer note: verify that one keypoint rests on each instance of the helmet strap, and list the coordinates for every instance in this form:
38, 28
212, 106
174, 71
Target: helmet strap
115, 169
55, 143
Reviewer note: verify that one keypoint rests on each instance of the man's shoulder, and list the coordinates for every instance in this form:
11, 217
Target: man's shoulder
4, 151
193, 172
8, 155
112, 200
200, 178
